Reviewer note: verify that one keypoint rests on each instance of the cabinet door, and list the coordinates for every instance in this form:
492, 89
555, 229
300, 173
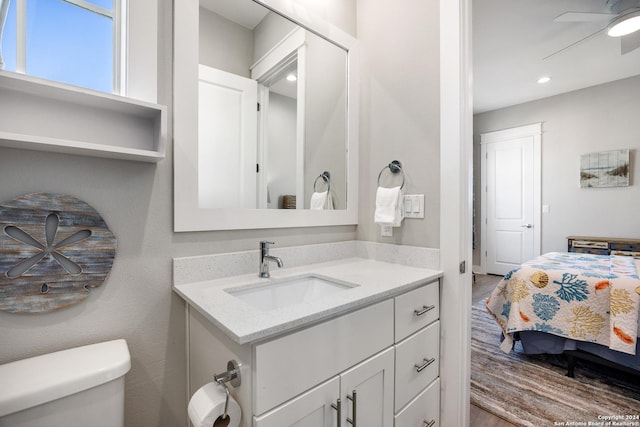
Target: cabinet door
311, 409
373, 382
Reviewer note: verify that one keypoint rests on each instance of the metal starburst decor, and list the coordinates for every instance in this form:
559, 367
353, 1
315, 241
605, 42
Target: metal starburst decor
53, 249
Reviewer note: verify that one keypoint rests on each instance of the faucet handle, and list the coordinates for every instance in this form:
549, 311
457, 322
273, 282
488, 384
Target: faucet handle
265, 244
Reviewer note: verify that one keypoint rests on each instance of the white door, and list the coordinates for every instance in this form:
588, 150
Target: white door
372, 383
311, 409
511, 203
227, 139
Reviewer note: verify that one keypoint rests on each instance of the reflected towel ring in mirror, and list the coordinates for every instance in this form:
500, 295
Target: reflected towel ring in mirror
326, 177
395, 167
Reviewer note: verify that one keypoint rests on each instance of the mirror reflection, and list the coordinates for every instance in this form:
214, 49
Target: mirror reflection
272, 112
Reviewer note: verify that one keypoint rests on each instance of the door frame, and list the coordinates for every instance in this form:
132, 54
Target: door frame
533, 130
456, 191
292, 48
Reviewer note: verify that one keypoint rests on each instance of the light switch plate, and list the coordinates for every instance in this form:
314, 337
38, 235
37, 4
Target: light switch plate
414, 205
386, 231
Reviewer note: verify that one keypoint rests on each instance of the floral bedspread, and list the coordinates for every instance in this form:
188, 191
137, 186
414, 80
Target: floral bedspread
584, 297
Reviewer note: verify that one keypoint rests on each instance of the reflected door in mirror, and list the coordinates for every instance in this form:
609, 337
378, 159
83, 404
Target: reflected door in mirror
227, 140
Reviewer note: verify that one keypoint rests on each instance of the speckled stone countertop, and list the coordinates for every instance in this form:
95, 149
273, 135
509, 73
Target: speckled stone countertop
372, 281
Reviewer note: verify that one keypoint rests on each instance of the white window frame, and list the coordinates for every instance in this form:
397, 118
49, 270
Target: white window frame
117, 16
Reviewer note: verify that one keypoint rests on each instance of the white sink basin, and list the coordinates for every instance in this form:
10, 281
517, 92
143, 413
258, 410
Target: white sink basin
287, 292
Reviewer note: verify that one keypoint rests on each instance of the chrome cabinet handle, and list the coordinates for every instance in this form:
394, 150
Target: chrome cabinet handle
352, 398
424, 309
527, 226
428, 423
427, 362
338, 407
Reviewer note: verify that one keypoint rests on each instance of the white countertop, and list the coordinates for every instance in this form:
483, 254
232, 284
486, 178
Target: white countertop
374, 281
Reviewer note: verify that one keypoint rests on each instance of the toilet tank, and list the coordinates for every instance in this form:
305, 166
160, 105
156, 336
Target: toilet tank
81, 387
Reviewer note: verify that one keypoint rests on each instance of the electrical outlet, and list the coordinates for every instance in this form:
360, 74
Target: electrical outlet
386, 230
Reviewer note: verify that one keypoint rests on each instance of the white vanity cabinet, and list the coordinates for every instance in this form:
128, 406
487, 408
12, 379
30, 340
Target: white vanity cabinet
288, 365
298, 377
311, 409
371, 382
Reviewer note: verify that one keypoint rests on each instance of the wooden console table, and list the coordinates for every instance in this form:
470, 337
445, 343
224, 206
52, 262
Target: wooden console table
604, 245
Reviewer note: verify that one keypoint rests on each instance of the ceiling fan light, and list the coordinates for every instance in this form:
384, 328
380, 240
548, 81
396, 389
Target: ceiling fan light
623, 25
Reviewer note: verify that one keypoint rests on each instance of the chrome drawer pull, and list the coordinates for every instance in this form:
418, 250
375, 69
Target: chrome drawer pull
352, 398
338, 407
428, 423
427, 362
425, 308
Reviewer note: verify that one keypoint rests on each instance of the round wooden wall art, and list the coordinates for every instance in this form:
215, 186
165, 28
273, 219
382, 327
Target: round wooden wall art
53, 249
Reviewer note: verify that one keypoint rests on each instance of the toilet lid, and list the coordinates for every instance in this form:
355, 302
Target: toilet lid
30, 382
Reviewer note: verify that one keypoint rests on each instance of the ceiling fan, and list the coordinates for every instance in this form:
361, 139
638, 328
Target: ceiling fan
622, 21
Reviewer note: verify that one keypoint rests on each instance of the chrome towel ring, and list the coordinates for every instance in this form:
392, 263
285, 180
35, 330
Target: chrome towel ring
395, 167
326, 177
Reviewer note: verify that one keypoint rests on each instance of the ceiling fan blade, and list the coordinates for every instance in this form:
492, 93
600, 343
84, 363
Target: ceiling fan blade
574, 44
630, 42
583, 17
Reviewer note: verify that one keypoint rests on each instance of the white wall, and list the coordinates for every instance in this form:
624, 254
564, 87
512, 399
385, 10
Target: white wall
400, 111
224, 44
325, 119
599, 118
268, 33
136, 301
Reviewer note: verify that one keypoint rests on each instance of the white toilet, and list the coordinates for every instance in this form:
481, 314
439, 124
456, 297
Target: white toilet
81, 387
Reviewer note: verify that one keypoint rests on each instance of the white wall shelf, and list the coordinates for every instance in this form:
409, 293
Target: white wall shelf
37, 114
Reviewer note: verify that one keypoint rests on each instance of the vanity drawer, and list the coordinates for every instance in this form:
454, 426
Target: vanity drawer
417, 363
416, 309
287, 366
423, 410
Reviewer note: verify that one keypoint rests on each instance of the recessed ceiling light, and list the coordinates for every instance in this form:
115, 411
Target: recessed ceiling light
292, 78
625, 24
545, 79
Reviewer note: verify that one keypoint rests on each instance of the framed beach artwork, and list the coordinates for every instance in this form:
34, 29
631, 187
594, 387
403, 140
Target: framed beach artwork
605, 169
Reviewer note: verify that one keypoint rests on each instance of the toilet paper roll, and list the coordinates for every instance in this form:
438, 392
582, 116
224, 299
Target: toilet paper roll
207, 404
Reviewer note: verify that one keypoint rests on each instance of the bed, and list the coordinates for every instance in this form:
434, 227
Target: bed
572, 302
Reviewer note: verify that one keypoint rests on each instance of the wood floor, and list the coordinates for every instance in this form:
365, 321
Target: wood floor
482, 287
481, 418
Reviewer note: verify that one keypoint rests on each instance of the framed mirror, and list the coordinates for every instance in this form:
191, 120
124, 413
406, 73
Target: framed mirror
265, 117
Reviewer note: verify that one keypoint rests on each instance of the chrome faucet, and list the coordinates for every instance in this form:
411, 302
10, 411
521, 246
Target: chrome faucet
265, 258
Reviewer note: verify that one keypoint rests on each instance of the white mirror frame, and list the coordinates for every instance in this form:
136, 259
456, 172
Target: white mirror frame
188, 216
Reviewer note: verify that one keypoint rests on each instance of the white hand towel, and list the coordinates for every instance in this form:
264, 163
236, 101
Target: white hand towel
329, 201
321, 201
389, 206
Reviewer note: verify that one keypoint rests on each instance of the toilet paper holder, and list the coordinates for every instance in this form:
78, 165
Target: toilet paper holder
231, 375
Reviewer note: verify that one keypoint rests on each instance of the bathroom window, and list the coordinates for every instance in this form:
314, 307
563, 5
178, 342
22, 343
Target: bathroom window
78, 42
